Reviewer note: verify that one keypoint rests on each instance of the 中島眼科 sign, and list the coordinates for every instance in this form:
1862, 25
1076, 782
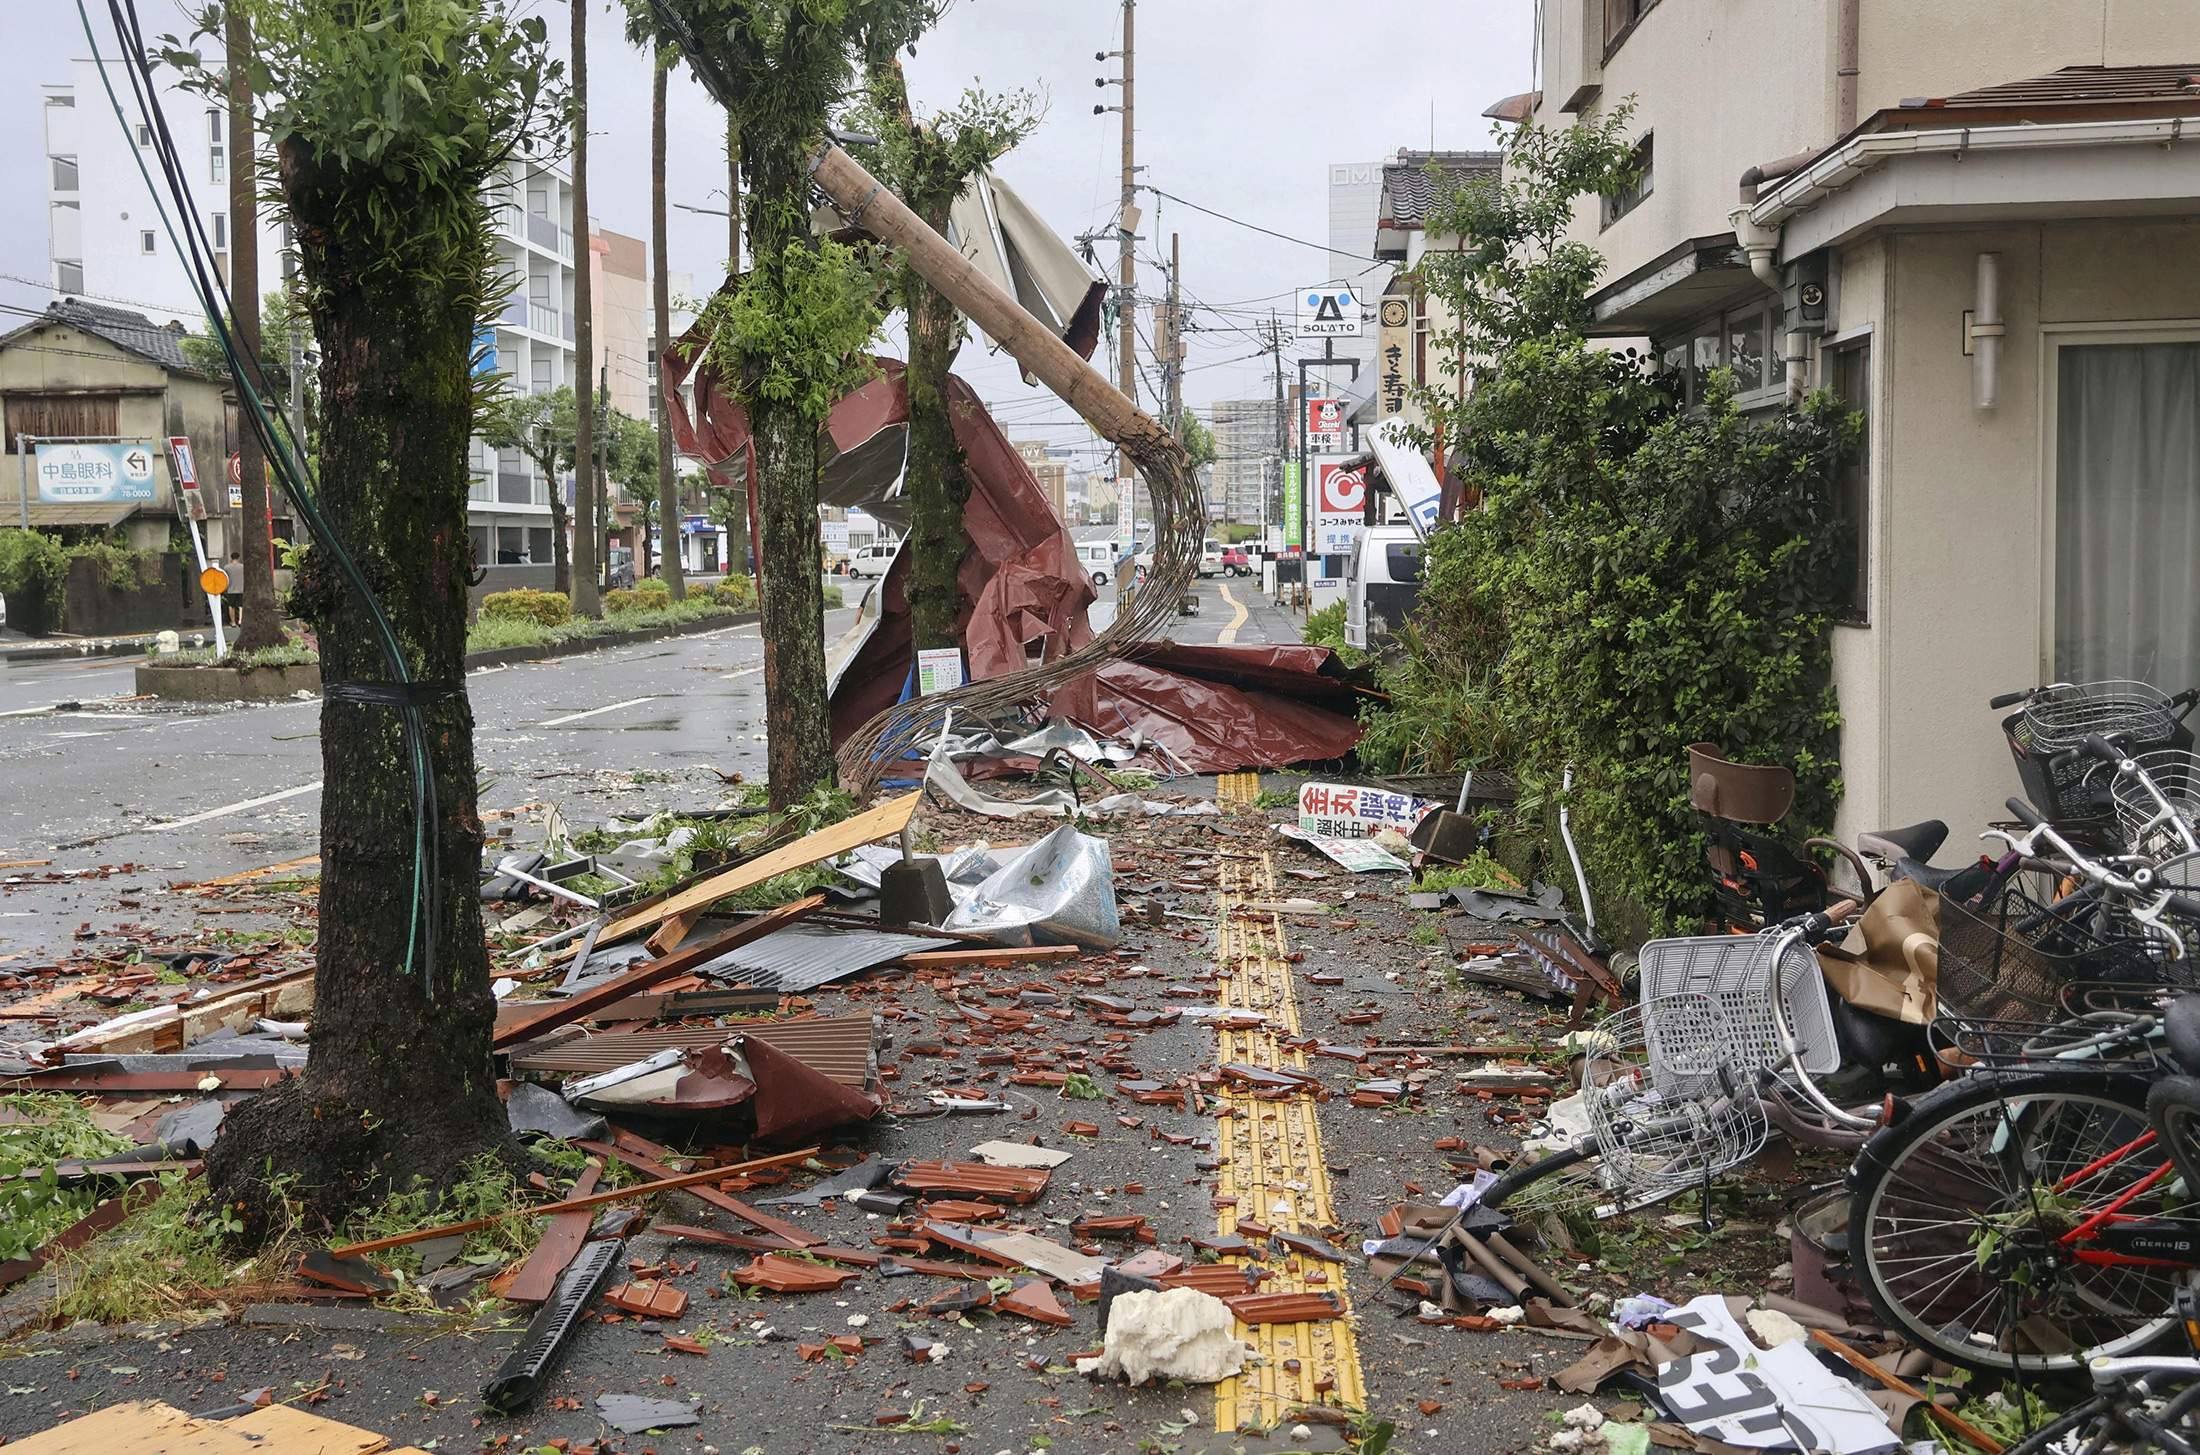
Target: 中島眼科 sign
94, 473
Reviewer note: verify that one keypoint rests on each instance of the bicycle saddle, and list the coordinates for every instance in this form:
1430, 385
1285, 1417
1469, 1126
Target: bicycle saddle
1920, 841
2181, 1023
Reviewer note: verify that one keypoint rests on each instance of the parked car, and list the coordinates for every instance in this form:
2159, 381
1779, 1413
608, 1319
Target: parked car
873, 560
1098, 558
1382, 581
621, 569
1210, 559
1235, 562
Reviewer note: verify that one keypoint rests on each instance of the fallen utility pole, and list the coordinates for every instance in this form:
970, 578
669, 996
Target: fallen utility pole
551, 1209
1180, 510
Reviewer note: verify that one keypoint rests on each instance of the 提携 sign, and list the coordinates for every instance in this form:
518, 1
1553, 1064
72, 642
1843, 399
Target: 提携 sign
74, 473
1349, 811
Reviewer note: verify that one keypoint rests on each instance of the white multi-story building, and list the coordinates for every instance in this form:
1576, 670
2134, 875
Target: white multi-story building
107, 241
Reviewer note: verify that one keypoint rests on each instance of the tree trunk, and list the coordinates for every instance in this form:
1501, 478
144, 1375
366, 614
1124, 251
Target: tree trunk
938, 475
263, 623
660, 287
798, 727
560, 549
587, 530
399, 1083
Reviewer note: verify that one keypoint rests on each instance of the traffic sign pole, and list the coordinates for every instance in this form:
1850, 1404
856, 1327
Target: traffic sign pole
213, 602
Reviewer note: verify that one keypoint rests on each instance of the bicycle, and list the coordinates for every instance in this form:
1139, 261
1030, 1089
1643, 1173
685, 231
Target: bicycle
2037, 1212
2137, 1405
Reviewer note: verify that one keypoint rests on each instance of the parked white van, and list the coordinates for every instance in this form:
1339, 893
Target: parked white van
873, 560
1382, 581
1098, 558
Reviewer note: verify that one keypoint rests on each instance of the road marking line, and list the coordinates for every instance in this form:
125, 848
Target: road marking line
593, 711
1228, 635
744, 672
225, 810
1258, 1161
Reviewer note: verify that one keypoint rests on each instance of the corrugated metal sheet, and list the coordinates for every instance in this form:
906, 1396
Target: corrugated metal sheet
800, 957
804, 956
839, 1046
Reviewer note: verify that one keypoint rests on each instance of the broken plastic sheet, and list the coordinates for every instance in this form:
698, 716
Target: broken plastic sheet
1058, 891
1209, 724
1763, 1398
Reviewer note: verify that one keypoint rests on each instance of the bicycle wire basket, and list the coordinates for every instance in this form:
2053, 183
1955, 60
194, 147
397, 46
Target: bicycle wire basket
2011, 973
2159, 822
2056, 719
1668, 1106
1736, 970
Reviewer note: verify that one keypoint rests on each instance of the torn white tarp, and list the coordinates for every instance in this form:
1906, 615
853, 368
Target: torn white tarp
1744, 1395
1058, 891
945, 779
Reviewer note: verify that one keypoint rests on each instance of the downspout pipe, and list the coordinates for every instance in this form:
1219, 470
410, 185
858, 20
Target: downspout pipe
1762, 244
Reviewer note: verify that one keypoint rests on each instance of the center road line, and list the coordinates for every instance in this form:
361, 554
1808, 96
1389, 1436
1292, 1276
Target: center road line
744, 672
1276, 1172
197, 818
593, 711
1228, 635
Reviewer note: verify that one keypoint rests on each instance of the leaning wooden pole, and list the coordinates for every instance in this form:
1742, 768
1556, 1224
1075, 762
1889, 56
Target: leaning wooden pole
1180, 511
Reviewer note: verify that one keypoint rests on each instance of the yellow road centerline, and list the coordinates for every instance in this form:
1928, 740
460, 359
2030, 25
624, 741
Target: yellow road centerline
1272, 1163
1228, 635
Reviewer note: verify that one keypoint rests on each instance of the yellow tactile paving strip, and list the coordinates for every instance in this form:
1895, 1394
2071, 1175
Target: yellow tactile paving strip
1272, 1164
1239, 790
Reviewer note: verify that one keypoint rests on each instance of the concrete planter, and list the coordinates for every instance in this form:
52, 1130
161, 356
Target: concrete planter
227, 684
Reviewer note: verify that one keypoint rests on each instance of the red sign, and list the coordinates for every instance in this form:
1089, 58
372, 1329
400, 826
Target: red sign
187, 474
1324, 416
236, 469
1342, 491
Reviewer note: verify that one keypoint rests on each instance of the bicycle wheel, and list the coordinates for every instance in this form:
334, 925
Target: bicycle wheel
1565, 1181
2086, 1430
1957, 1214
2173, 1106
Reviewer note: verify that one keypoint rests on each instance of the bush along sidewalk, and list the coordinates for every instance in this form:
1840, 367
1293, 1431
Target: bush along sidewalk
521, 623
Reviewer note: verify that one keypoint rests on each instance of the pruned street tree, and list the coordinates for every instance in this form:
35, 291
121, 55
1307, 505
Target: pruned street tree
929, 161
793, 336
540, 426
385, 118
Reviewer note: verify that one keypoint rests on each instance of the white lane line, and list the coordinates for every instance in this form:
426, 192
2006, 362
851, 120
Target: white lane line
229, 808
744, 672
1228, 635
593, 711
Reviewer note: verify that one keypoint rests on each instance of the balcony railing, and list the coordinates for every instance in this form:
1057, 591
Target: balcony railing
542, 318
515, 489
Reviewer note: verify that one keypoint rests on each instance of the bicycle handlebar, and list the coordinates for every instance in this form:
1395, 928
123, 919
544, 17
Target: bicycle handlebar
2025, 814
2009, 699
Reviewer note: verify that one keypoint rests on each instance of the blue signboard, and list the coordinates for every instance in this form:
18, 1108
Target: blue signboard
98, 474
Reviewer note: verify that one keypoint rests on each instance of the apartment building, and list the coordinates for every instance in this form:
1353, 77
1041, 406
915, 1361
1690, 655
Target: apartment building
107, 242
1976, 223
1246, 476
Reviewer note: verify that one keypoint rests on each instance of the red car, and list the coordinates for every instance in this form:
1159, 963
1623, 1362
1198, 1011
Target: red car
1236, 563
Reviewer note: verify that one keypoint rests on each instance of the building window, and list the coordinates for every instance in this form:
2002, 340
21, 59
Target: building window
63, 416
220, 220
539, 545
144, 135
1851, 380
64, 174
1615, 205
1620, 17
148, 243
215, 155
2127, 509
1741, 341
69, 277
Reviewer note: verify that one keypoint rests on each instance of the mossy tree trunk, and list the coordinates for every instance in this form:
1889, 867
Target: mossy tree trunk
262, 626
399, 1084
798, 725
937, 479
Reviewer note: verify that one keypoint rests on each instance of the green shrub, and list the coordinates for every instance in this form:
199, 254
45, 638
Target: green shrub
33, 563
1325, 628
544, 608
118, 567
489, 633
738, 592
833, 599
653, 595
619, 601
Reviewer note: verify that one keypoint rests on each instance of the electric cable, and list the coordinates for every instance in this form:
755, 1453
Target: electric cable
281, 448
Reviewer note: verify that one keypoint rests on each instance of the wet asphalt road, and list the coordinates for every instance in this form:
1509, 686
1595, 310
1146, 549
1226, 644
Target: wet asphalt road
576, 731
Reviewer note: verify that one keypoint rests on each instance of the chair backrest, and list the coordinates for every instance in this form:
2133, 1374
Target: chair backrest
1737, 792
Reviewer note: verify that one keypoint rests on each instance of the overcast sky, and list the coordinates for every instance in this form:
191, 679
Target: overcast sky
1241, 108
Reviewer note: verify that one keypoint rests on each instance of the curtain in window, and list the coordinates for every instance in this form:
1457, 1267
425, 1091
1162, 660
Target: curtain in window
2127, 514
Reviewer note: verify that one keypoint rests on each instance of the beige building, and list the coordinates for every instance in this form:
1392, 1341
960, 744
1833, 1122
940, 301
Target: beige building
92, 372
1977, 221
1053, 477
